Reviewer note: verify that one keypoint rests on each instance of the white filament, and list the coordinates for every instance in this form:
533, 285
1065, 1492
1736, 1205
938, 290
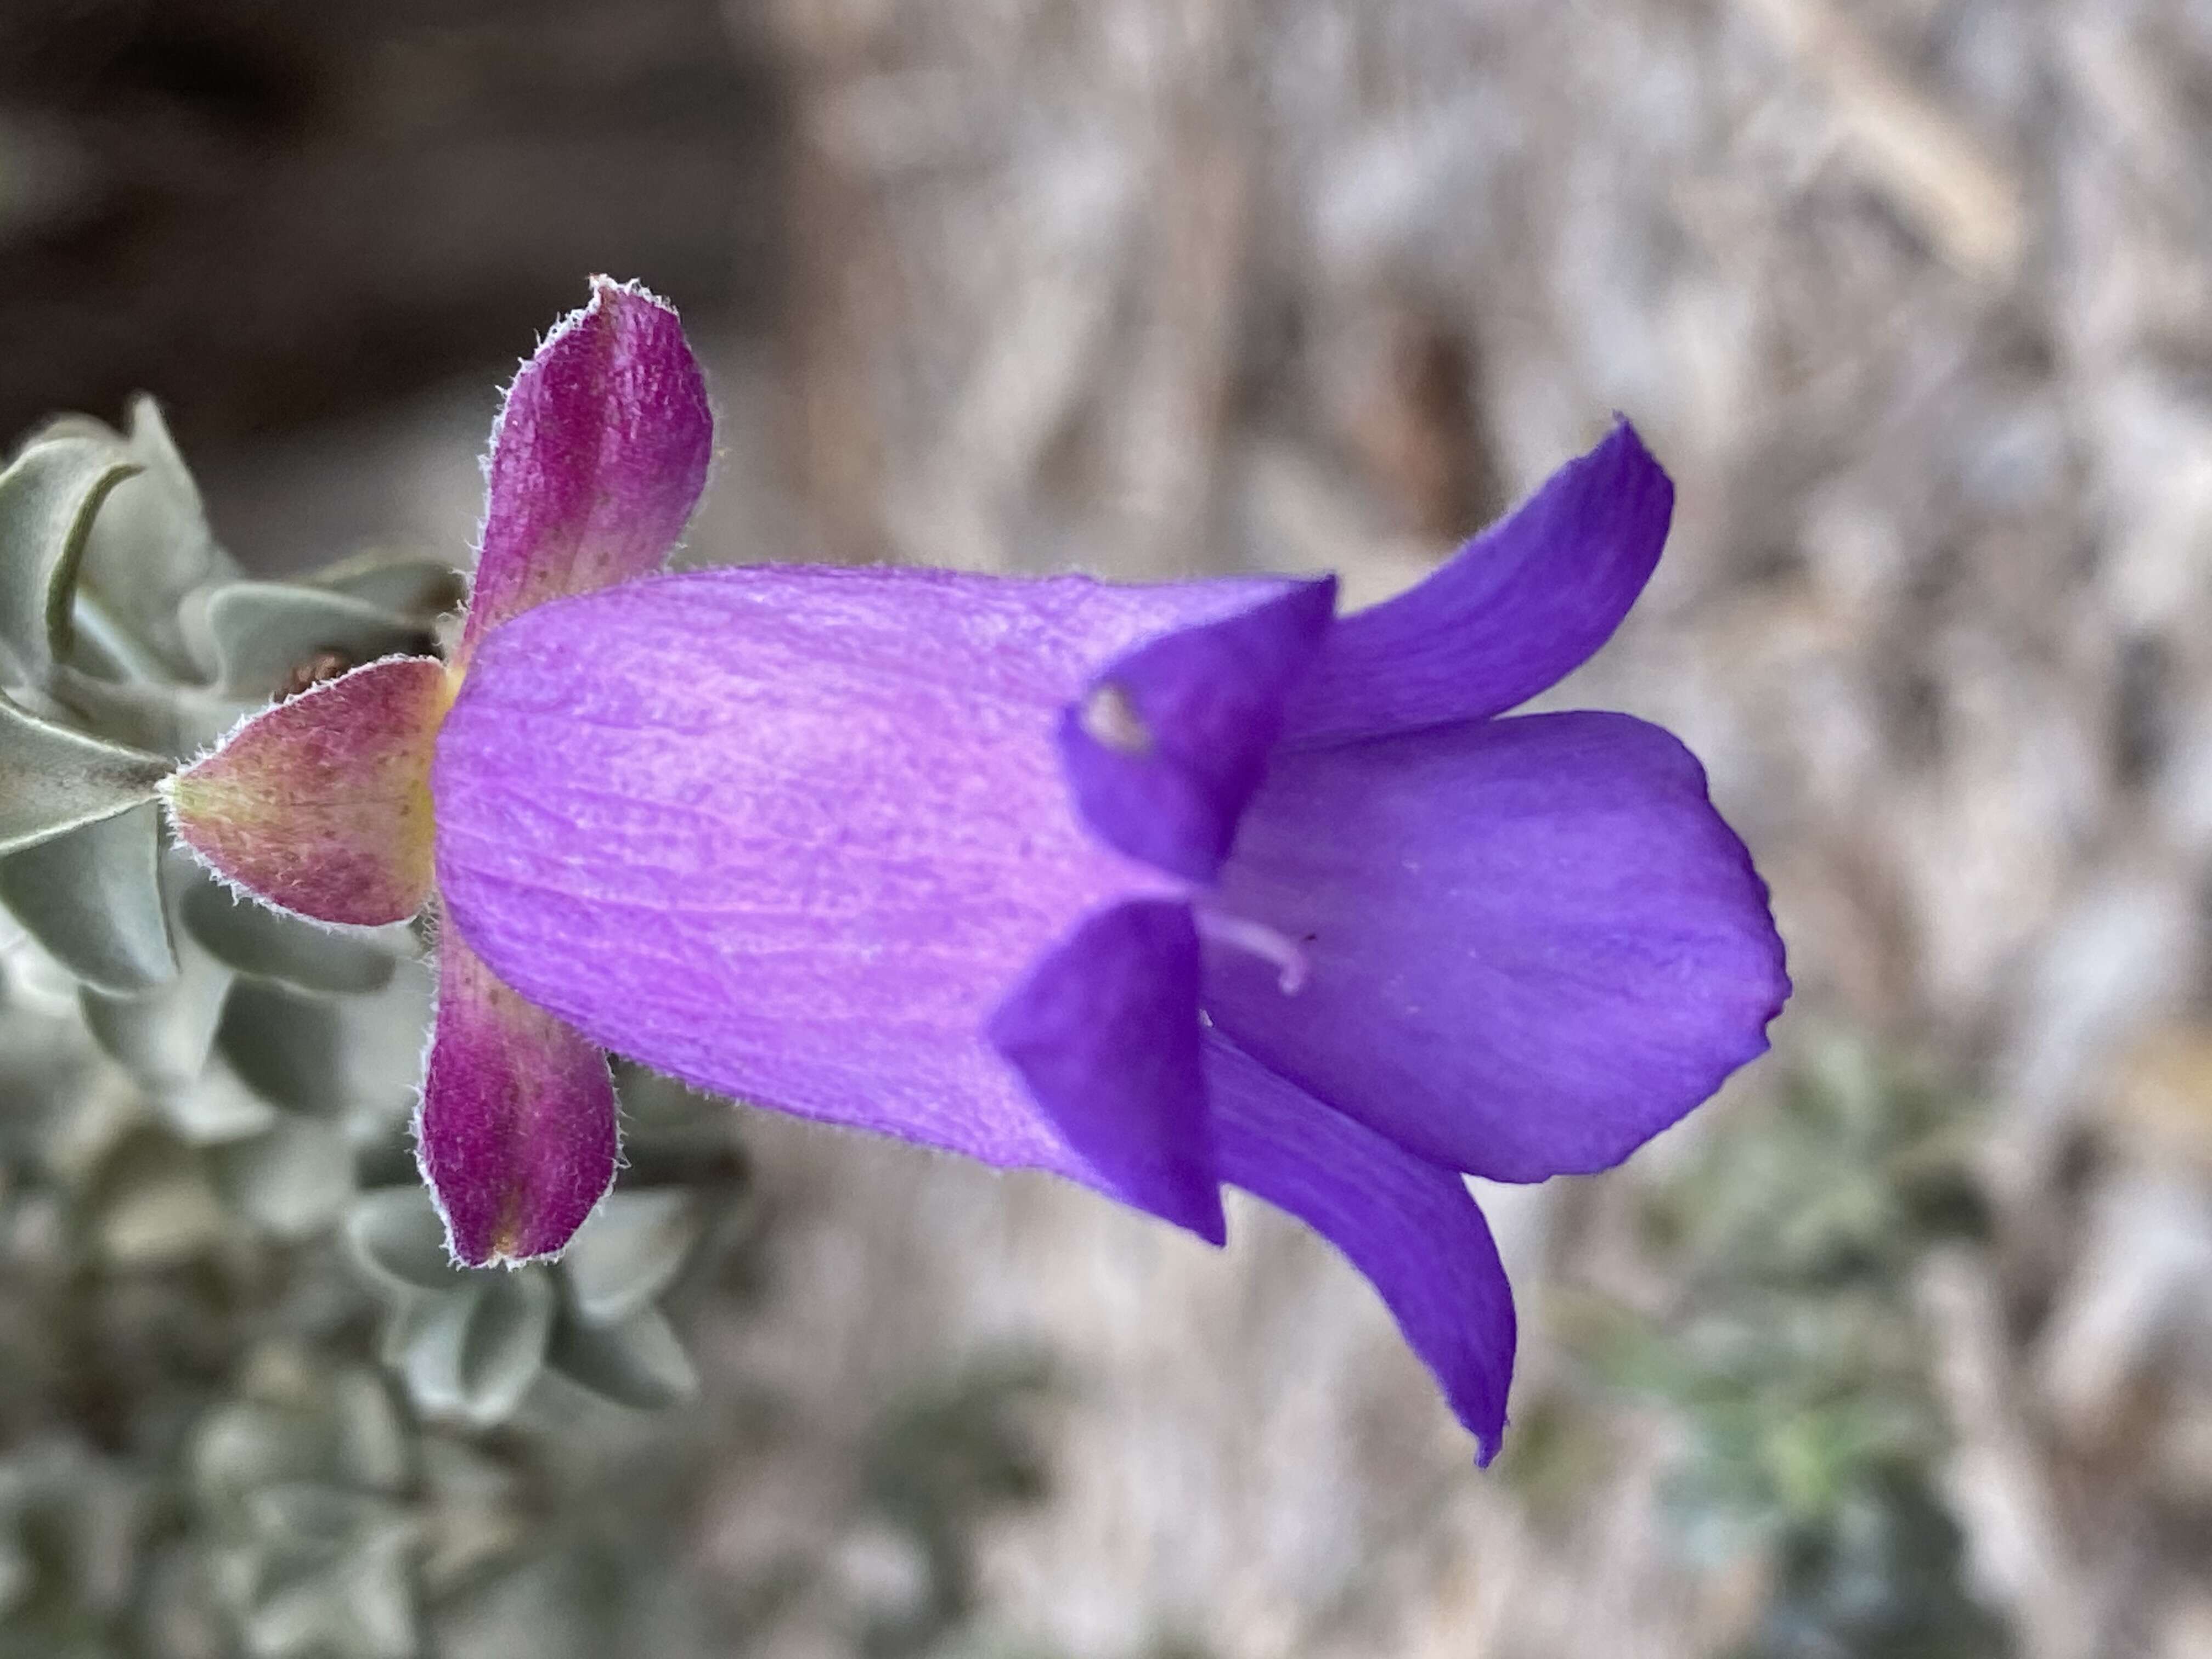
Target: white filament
1257, 939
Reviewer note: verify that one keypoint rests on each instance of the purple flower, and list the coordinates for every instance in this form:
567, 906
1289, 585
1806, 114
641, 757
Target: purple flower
1158, 888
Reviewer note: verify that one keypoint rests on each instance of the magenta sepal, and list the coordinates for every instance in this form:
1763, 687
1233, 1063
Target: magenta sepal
596, 461
517, 1134
320, 804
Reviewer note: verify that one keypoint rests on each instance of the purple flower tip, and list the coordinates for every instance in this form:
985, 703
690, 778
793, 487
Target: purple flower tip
1104, 1033
1154, 887
1521, 605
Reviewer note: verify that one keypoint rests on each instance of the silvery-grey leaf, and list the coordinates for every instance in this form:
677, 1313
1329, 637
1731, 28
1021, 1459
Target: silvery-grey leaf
19, 1575
102, 646
153, 1203
286, 1045
635, 1243
373, 1445
54, 780
150, 546
265, 632
242, 1446
396, 1236
175, 720
432, 1330
292, 1182
233, 1571
93, 899
412, 1318
34, 982
505, 1348
162, 1036
403, 584
253, 938
71, 424
361, 1605
476, 1511
215, 1107
637, 1363
385, 1032
49, 496
477, 1355
311, 1512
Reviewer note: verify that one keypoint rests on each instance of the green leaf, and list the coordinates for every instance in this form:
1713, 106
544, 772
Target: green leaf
635, 1243
265, 632
93, 898
637, 1363
253, 938
481, 1348
53, 780
50, 495
397, 1236
289, 1048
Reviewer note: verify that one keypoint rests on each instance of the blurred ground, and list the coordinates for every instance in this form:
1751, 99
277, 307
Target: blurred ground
278, 214
1914, 299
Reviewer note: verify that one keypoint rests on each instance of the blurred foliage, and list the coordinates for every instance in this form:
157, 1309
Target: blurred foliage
212, 1231
1797, 1361
938, 1462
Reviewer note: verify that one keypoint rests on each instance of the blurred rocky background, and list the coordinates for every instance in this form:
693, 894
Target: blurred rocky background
1902, 1347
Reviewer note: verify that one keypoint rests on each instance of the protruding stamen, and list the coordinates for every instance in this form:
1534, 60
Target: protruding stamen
1110, 718
1257, 939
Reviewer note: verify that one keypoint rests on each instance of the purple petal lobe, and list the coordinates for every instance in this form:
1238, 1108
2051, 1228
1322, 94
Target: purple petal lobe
596, 461
1512, 612
794, 833
1104, 1032
1167, 745
1409, 1226
1531, 943
320, 804
517, 1134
